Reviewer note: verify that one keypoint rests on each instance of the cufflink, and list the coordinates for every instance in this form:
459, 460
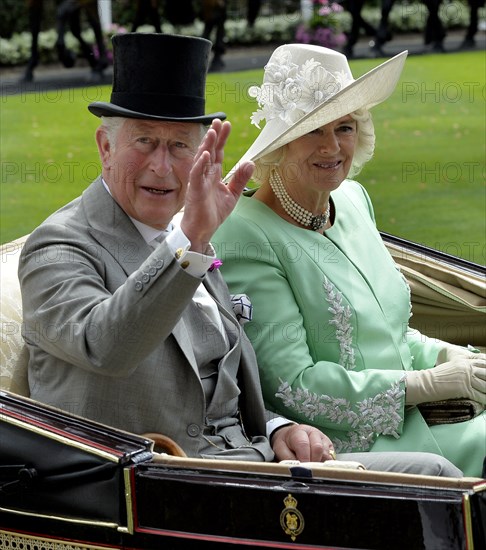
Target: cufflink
178, 253
185, 264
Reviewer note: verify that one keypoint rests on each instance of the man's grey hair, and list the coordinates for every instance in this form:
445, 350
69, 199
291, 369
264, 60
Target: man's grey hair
113, 124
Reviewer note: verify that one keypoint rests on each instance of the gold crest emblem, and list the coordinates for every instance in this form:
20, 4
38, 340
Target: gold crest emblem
291, 520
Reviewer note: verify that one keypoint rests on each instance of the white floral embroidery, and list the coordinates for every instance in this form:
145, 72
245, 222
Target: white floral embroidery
409, 290
378, 415
342, 321
290, 93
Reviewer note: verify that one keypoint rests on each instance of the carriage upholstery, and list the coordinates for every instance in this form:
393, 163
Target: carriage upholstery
13, 352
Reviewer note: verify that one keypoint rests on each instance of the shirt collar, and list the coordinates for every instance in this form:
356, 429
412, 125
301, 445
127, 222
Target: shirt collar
148, 233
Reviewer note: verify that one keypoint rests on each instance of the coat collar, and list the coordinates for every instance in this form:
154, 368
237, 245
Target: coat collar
112, 228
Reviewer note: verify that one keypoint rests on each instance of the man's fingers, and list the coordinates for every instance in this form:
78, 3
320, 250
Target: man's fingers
222, 130
241, 177
199, 166
207, 144
321, 447
318, 447
310, 444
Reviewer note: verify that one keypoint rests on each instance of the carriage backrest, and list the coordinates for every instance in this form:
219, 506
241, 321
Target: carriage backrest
13, 351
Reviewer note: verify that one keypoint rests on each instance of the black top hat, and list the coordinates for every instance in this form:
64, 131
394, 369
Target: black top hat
158, 77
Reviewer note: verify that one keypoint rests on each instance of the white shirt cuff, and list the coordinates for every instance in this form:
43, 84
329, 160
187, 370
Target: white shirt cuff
275, 423
194, 263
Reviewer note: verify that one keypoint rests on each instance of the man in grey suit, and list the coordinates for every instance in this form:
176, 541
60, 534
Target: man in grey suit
126, 317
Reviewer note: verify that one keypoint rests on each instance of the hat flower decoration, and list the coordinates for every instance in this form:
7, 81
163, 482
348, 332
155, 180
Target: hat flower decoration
290, 91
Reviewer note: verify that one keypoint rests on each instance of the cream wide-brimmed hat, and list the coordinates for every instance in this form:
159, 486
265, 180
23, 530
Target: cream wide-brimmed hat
305, 87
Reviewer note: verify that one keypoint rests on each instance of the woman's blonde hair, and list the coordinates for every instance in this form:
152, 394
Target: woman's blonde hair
364, 150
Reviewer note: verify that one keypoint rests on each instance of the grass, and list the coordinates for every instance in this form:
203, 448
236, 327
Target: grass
426, 179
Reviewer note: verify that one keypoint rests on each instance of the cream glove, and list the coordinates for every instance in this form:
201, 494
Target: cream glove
451, 351
460, 377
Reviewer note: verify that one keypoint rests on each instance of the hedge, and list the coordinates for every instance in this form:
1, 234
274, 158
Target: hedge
273, 28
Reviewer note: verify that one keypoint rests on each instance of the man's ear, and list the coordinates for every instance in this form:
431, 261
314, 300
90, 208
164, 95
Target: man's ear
104, 147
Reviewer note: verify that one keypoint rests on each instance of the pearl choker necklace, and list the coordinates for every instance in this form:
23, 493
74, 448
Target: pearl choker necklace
294, 210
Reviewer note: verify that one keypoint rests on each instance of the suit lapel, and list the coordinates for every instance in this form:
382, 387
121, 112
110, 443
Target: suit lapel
219, 291
226, 390
216, 286
181, 336
113, 229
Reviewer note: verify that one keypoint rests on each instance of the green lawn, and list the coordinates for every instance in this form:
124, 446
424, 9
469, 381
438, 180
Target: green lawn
426, 179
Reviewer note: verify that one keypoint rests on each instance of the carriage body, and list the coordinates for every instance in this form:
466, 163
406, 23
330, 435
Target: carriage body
65, 478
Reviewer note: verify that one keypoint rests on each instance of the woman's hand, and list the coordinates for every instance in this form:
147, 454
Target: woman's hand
451, 351
460, 377
303, 443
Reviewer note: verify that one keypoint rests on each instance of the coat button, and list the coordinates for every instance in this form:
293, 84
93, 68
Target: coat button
145, 278
138, 286
159, 264
193, 430
152, 271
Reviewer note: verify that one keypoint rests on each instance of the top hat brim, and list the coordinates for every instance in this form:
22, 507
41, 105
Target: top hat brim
363, 93
101, 108
151, 83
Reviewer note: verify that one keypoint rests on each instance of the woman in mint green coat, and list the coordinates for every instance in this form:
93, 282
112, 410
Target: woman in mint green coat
330, 306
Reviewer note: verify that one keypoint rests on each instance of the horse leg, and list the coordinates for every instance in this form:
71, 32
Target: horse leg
154, 16
35, 8
383, 33
86, 49
253, 9
354, 8
219, 46
139, 18
63, 16
472, 29
93, 17
434, 30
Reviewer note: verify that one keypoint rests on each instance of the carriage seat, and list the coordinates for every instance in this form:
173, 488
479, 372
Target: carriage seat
13, 351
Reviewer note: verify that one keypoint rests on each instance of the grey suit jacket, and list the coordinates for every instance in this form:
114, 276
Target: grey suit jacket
106, 328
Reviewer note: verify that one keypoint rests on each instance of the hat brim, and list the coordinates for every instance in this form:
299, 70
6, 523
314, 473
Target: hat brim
101, 108
363, 93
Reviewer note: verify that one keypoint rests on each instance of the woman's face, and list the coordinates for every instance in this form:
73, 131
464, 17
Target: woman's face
320, 160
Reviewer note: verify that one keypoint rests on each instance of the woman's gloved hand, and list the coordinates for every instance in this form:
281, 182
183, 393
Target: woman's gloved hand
449, 352
461, 377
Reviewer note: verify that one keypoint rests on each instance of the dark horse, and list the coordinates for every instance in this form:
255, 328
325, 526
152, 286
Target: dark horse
68, 15
434, 32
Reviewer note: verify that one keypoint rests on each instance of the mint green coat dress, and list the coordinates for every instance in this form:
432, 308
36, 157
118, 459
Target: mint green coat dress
330, 329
